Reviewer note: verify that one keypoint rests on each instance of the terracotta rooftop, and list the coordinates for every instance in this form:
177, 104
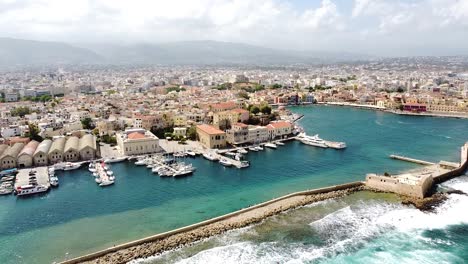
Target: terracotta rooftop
211, 130
136, 135
280, 124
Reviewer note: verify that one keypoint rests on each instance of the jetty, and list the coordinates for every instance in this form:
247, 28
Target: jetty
417, 161
418, 183
41, 174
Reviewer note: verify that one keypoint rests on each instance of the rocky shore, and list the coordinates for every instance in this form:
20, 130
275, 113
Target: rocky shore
237, 221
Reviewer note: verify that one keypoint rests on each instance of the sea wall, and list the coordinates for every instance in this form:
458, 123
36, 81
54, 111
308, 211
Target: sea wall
335, 191
392, 184
458, 171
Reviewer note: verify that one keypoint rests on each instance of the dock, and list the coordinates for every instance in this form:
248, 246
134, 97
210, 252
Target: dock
42, 177
417, 161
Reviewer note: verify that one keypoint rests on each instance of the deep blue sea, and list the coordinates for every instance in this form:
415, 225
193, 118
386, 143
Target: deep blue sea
80, 217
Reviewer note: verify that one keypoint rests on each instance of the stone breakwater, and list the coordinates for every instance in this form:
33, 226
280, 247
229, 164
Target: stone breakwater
123, 253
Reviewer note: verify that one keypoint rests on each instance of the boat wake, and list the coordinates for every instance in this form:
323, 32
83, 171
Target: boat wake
369, 230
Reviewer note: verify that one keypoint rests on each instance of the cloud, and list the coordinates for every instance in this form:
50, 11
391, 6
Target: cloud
368, 26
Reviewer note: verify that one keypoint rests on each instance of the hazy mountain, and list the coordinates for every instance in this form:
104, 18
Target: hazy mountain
27, 52
213, 52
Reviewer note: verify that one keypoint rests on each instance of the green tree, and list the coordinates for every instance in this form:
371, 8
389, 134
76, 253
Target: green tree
254, 110
33, 132
192, 133
87, 123
265, 109
243, 94
20, 111
276, 86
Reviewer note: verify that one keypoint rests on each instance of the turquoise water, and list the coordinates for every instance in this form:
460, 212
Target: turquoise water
79, 217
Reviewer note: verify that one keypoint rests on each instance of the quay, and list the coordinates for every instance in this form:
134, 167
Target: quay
417, 161
42, 176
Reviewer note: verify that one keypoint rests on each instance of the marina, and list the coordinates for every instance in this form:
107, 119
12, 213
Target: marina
32, 181
141, 204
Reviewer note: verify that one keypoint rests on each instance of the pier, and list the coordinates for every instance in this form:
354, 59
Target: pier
417, 161
42, 177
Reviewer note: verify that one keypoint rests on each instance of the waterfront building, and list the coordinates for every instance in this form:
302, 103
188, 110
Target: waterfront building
238, 134
279, 129
227, 118
211, 137
40, 155
55, 154
87, 147
257, 134
71, 151
25, 157
137, 141
9, 157
414, 107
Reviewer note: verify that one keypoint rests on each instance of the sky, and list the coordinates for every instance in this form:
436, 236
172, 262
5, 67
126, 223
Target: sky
373, 27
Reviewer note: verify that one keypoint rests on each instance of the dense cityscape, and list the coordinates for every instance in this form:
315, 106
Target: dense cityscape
233, 131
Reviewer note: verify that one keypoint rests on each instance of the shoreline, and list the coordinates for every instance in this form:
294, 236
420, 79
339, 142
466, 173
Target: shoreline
396, 112
177, 238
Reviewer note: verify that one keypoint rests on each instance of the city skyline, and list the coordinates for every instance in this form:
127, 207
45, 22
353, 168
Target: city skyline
378, 28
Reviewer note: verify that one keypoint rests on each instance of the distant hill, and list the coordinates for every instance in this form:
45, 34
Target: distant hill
28, 52
15, 52
214, 52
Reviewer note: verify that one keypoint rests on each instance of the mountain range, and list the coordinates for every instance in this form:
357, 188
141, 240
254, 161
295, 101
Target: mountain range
17, 52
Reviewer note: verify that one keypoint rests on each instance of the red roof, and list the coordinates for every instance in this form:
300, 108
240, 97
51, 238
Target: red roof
227, 105
240, 125
239, 110
280, 124
211, 130
136, 135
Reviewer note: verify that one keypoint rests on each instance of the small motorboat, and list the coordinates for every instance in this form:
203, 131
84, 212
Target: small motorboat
114, 160
279, 143
271, 145
242, 151
225, 162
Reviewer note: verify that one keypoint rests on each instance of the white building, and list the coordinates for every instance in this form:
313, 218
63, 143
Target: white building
137, 141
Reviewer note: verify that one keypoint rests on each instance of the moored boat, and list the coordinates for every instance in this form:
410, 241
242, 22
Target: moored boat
115, 160
271, 145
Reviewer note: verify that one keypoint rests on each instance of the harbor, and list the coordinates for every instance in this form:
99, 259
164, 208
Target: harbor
141, 203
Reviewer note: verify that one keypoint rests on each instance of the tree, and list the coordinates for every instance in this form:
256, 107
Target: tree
192, 133
20, 111
276, 86
87, 123
33, 133
243, 94
254, 110
400, 90
265, 109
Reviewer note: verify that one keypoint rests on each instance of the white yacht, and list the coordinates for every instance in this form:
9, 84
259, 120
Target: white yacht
71, 166
190, 153
243, 164
271, 145
279, 143
225, 162
30, 189
336, 145
313, 141
106, 183
242, 151
114, 160
210, 156
259, 147
141, 162
253, 149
